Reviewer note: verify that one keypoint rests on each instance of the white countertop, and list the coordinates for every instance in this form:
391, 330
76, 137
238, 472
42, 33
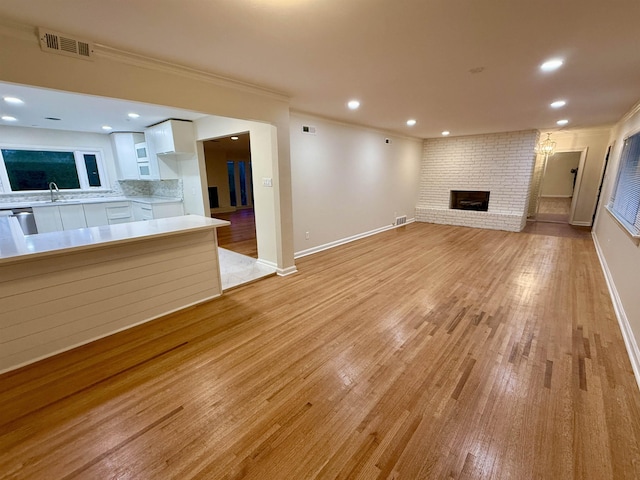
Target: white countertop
15, 246
76, 201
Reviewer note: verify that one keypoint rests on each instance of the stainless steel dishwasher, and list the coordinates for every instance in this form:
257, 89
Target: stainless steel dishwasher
25, 218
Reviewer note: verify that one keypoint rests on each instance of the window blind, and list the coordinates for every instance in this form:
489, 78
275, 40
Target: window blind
626, 198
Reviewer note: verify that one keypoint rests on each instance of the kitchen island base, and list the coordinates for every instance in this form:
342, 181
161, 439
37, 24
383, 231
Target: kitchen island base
55, 302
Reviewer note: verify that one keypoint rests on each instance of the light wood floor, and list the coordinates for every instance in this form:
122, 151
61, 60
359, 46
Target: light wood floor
554, 209
240, 236
428, 351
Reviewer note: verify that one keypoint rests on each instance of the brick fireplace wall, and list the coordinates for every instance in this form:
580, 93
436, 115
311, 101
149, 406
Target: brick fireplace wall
501, 163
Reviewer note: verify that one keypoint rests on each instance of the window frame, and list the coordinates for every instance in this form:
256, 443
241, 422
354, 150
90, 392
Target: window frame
81, 168
633, 229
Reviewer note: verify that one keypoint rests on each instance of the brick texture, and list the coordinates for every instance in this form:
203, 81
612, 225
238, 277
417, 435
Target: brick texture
501, 163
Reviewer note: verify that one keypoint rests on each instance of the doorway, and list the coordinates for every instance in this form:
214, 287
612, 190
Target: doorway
560, 181
558, 187
230, 188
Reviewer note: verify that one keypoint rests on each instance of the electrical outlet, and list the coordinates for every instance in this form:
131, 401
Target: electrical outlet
306, 235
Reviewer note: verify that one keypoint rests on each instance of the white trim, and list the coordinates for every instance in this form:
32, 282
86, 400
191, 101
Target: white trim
630, 230
580, 224
267, 263
336, 243
556, 196
627, 334
283, 272
578, 183
98, 337
81, 169
24, 32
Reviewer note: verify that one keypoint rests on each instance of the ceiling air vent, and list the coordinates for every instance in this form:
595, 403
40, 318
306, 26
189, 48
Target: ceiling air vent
64, 44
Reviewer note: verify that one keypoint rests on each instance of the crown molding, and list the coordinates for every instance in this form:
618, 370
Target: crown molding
634, 110
29, 33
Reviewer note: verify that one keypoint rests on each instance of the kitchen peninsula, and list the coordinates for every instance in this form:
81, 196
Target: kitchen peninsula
62, 289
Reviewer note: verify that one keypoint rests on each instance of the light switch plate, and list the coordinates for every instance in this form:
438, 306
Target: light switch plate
267, 182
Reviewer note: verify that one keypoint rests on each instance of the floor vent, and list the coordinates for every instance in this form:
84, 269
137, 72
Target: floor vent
63, 44
401, 220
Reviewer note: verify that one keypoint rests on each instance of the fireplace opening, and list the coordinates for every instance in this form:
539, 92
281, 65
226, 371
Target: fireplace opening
469, 200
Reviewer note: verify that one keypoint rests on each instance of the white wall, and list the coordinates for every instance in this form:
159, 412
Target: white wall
264, 162
619, 252
558, 179
116, 75
595, 141
42, 137
347, 181
501, 163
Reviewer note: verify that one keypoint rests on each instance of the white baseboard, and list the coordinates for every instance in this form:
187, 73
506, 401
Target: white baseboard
627, 334
283, 272
581, 224
353, 238
556, 196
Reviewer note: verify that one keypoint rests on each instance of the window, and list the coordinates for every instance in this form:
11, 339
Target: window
626, 199
23, 169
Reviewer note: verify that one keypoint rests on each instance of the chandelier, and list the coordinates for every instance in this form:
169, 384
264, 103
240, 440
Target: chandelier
546, 147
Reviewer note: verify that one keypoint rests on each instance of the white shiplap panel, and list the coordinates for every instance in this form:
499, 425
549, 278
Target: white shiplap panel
50, 269
95, 280
56, 303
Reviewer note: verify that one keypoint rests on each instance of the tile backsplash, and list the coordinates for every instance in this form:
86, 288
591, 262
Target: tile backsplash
129, 188
151, 188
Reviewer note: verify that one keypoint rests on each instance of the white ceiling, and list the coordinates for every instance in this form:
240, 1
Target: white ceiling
82, 113
402, 59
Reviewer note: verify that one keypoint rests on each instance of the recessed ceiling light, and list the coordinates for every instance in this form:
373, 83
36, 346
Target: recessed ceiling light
133, 115
562, 122
107, 127
558, 104
9, 118
353, 104
234, 138
14, 100
551, 65
446, 132
411, 122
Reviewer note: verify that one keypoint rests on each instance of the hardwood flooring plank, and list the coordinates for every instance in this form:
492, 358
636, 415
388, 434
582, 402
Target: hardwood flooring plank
428, 351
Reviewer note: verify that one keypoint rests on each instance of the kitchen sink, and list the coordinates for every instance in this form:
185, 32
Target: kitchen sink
61, 202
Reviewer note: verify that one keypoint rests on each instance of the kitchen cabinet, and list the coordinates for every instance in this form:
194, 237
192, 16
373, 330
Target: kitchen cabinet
96, 214
118, 212
172, 137
72, 216
54, 218
169, 142
125, 154
146, 211
47, 218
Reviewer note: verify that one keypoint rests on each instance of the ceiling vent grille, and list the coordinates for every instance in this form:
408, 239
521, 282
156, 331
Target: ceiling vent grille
63, 44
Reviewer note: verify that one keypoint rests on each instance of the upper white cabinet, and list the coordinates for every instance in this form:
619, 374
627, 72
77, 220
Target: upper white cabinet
124, 146
168, 142
172, 137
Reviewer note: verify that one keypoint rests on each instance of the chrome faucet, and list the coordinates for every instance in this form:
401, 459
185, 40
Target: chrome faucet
52, 186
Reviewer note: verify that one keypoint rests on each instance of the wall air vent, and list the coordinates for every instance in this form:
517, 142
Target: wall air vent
63, 44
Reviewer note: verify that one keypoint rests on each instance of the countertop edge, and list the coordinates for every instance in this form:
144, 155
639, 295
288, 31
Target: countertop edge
70, 241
